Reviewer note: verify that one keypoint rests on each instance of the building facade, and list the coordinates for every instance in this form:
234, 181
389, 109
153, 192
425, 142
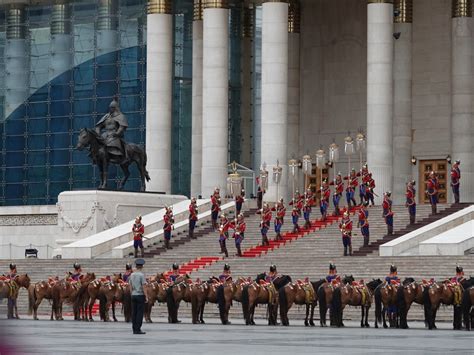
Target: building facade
207, 82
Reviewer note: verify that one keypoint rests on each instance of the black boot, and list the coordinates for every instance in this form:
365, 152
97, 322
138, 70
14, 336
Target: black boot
239, 252
433, 209
142, 252
226, 253
456, 198
191, 234
366, 241
390, 230
345, 251
412, 219
350, 250
136, 253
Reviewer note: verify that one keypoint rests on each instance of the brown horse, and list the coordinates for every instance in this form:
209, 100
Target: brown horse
300, 293
386, 296
154, 292
467, 306
354, 294
37, 292
199, 293
179, 291
411, 291
124, 296
325, 294
10, 288
107, 293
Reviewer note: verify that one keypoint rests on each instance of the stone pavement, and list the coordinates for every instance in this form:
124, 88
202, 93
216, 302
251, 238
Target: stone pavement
69, 337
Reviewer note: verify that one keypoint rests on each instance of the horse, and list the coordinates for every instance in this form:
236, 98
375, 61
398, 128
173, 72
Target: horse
238, 287
410, 291
467, 303
9, 289
107, 294
325, 294
198, 300
36, 293
300, 293
124, 296
179, 291
354, 294
154, 292
221, 293
98, 152
386, 296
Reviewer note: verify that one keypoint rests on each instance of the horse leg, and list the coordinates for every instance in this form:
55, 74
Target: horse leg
383, 317
201, 315
126, 175
311, 320
91, 304
251, 313
35, 308
113, 311
306, 323
367, 325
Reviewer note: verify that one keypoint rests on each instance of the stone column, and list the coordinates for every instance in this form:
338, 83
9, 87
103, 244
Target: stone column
196, 154
215, 95
17, 64
402, 79
293, 78
107, 25
62, 58
246, 91
380, 92
275, 92
461, 82
159, 71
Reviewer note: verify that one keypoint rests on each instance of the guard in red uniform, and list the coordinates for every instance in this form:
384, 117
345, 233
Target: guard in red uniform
387, 212
295, 216
239, 200
279, 217
138, 230
324, 203
346, 230
410, 201
336, 197
364, 174
193, 217
168, 220
307, 213
352, 183
239, 227
432, 191
455, 179
369, 190
224, 234
265, 223
364, 223
215, 207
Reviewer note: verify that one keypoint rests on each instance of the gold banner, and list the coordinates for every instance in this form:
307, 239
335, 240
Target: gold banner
294, 17
216, 4
197, 10
159, 7
403, 11
461, 8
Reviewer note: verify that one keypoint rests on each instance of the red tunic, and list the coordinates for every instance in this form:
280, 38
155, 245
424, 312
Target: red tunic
346, 228
455, 176
168, 225
432, 186
363, 220
193, 212
215, 202
138, 230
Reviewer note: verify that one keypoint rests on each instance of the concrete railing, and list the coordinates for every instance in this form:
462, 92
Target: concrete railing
453, 242
156, 236
107, 240
413, 239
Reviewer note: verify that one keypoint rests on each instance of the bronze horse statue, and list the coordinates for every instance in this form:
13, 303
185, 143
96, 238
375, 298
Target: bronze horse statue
100, 157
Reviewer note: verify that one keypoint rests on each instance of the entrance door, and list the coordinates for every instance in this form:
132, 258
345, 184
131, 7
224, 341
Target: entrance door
440, 167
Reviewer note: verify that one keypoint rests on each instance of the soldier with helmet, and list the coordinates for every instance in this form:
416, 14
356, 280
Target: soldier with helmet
279, 218
324, 203
432, 191
346, 230
224, 234
332, 275
13, 273
410, 201
458, 294
455, 179
239, 231
239, 200
364, 223
226, 274
364, 174
273, 274
336, 197
392, 310
138, 230
387, 212
215, 207
369, 189
265, 223
352, 183
193, 217
128, 272
168, 220
174, 273
77, 273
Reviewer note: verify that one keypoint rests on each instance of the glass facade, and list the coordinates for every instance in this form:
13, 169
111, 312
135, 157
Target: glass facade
75, 59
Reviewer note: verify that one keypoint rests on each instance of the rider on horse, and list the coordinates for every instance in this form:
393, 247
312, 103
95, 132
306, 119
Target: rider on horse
113, 125
273, 274
128, 272
459, 274
226, 275
175, 273
77, 273
332, 275
393, 276
13, 273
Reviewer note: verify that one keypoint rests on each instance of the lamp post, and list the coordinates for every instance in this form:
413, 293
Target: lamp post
277, 171
320, 162
234, 183
293, 165
360, 146
264, 177
334, 155
349, 150
307, 167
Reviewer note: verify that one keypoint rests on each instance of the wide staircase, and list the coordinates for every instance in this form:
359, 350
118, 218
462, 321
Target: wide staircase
306, 254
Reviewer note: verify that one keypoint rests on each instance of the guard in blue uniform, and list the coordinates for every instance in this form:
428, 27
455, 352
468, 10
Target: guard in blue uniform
175, 273
332, 275
364, 223
226, 274
387, 212
410, 201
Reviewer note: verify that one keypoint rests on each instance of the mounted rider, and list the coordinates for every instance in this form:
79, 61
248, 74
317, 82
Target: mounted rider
273, 274
226, 274
332, 275
111, 127
128, 272
174, 273
13, 273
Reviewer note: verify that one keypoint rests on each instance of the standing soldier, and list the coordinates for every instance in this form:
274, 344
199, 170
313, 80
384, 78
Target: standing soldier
295, 215
336, 197
168, 226
239, 200
193, 217
387, 212
432, 191
364, 223
260, 193
352, 183
310, 196
224, 234
346, 230
239, 231
455, 179
364, 174
369, 190
324, 203
279, 217
458, 295
306, 213
265, 223
215, 207
411, 203
138, 230
137, 281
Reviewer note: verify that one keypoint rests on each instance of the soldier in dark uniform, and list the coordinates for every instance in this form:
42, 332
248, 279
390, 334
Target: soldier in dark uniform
332, 275
111, 127
457, 319
226, 274
175, 273
193, 217
455, 180
76, 275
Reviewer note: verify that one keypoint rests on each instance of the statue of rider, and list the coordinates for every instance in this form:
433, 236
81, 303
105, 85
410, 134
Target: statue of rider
112, 128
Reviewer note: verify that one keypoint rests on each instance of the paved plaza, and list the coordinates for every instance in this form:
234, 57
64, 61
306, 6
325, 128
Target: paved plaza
69, 337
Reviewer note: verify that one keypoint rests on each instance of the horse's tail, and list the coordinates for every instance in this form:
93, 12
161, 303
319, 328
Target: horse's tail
145, 158
102, 306
337, 305
283, 300
170, 302
31, 299
245, 301
221, 302
401, 303
466, 307
322, 302
127, 306
378, 305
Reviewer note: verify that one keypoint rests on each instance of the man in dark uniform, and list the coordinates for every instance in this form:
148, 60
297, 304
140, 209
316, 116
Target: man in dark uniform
458, 291
392, 309
346, 231
138, 230
226, 275
112, 127
332, 275
137, 280
76, 275
455, 180
175, 273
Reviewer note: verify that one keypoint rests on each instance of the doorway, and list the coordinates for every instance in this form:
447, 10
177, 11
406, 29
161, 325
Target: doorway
427, 166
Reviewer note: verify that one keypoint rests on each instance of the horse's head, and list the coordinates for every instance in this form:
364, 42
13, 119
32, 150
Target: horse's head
23, 281
89, 276
348, 279
117, 277
372, 285
261, 277
84, 139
